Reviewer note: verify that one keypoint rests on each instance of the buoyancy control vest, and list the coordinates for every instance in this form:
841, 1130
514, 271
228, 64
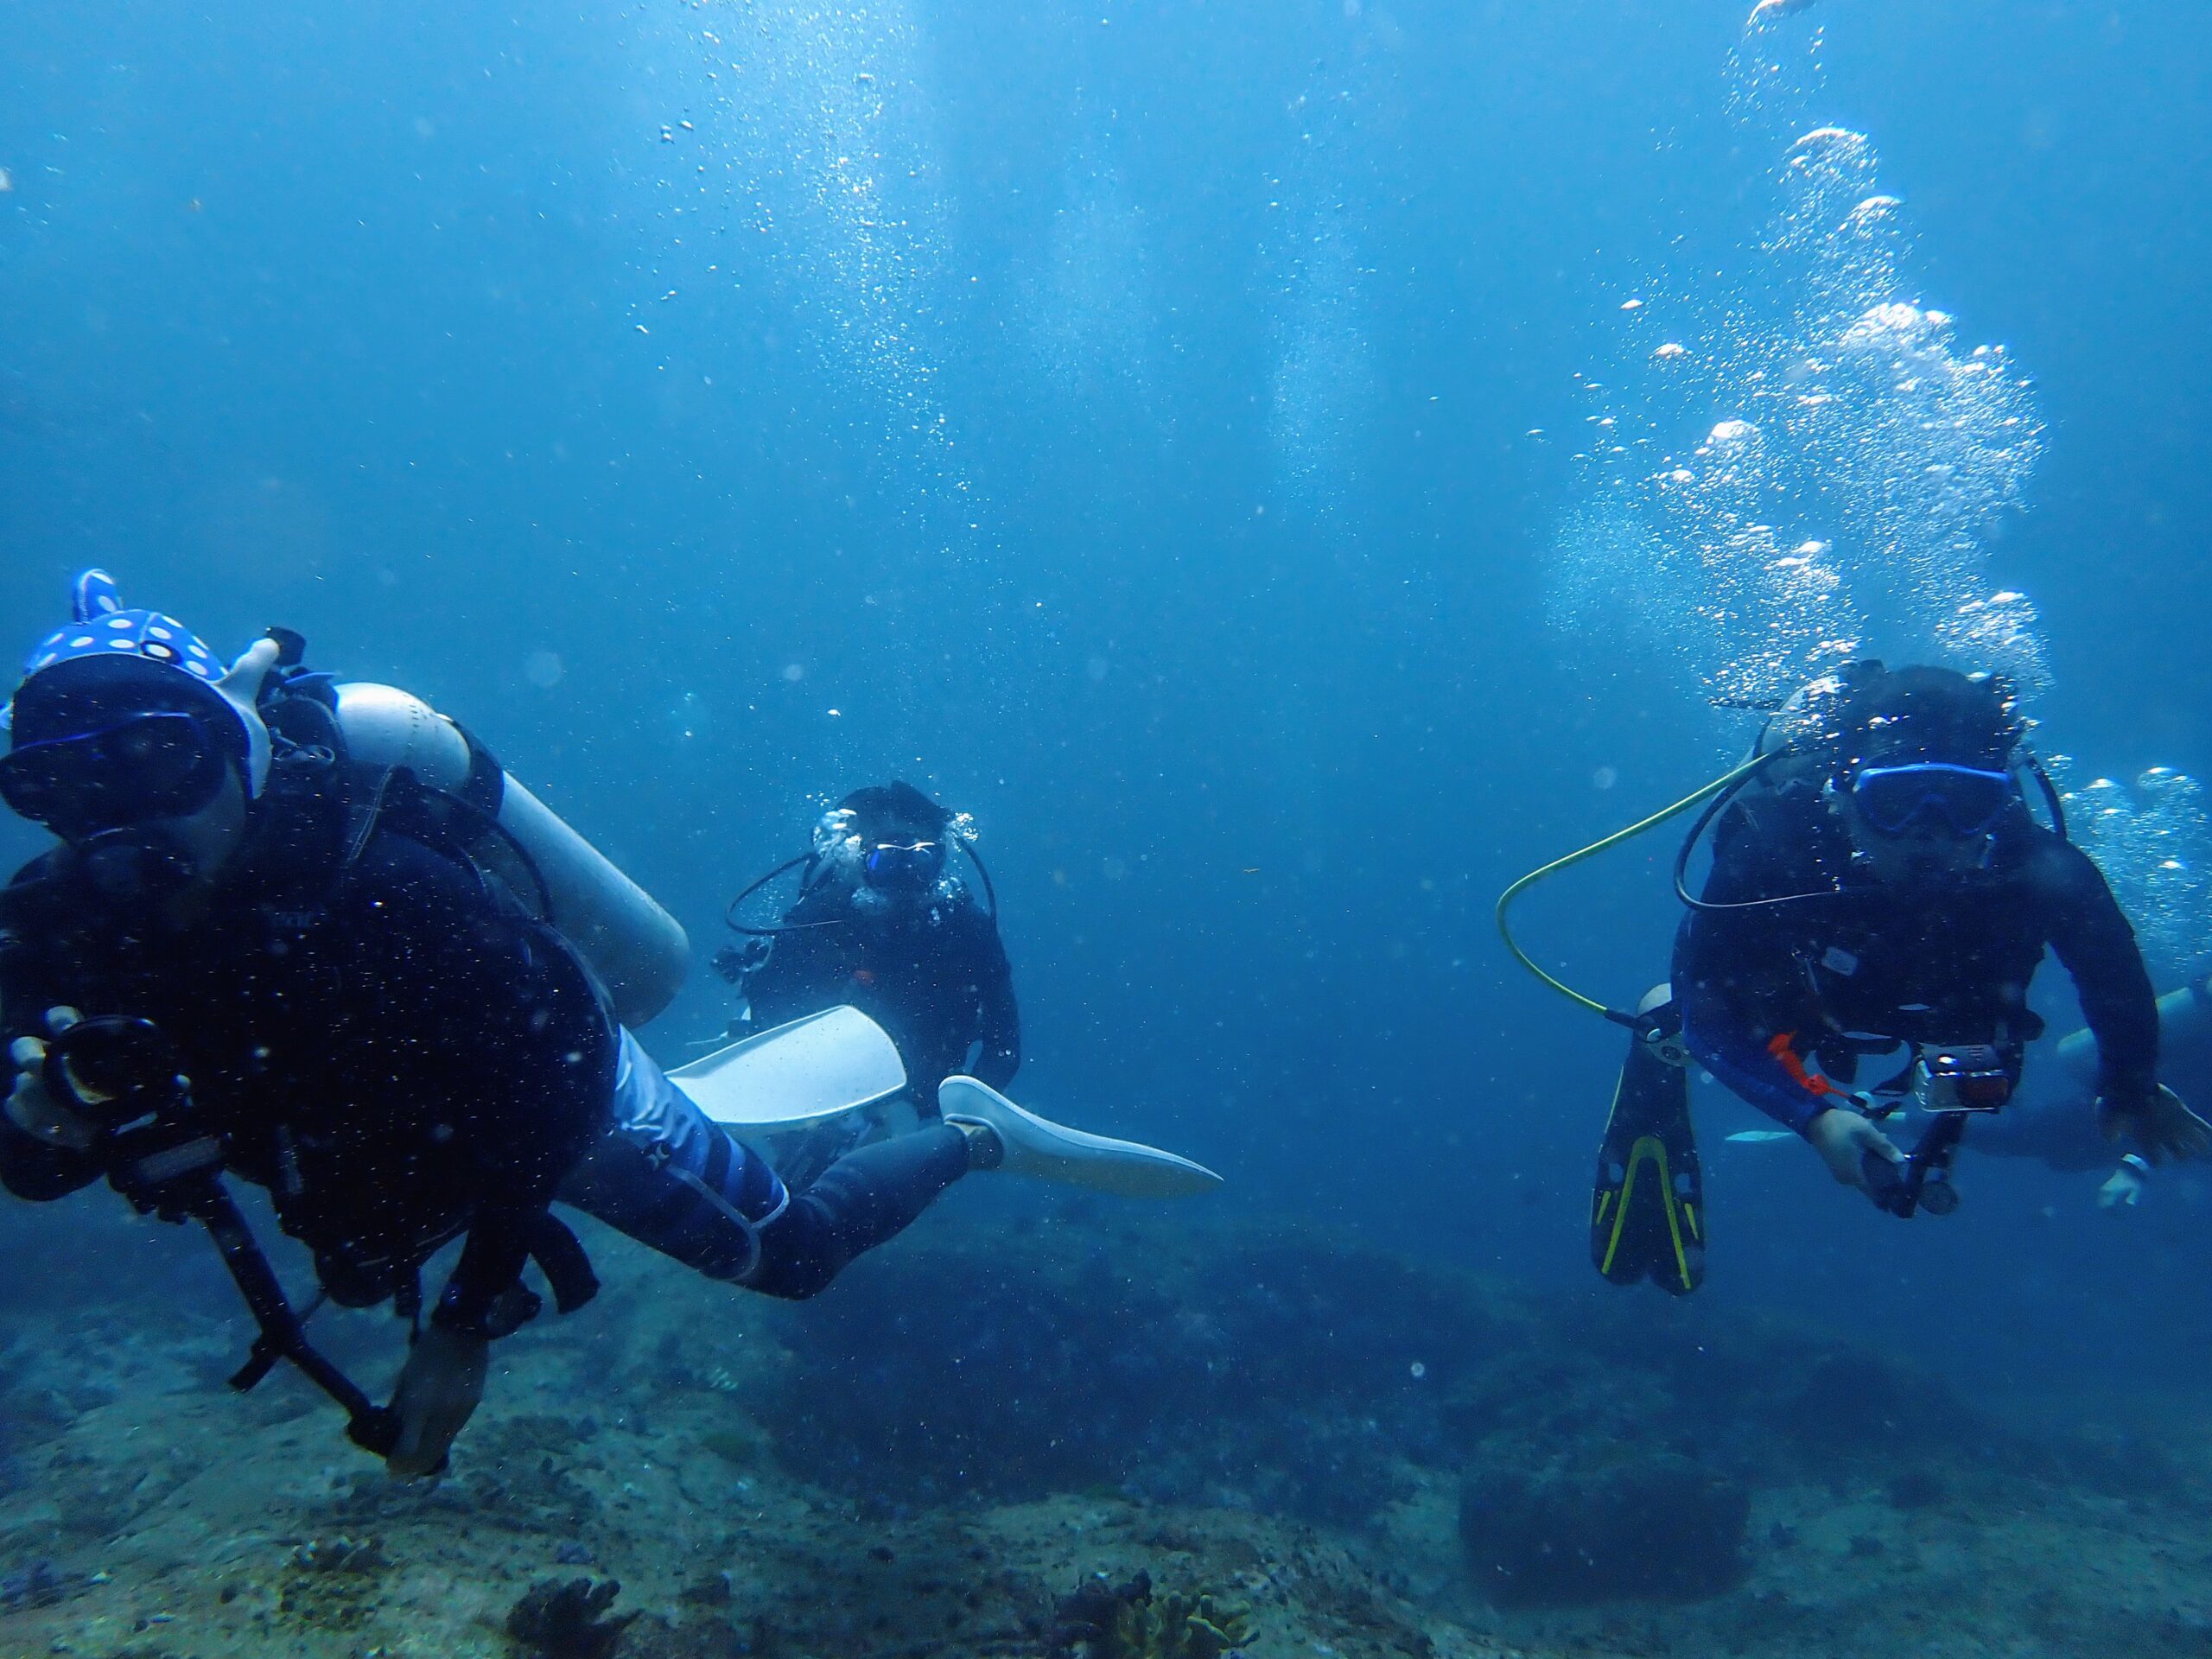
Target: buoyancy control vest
348, 760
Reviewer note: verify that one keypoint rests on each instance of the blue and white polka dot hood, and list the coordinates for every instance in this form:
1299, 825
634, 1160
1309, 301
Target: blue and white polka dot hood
101, 627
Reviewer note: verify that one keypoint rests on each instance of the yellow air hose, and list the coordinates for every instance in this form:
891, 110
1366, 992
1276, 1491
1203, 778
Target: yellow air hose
1506, 899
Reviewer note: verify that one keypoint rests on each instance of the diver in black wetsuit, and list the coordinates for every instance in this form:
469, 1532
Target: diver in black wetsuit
883, 924
241, 957
1887, 893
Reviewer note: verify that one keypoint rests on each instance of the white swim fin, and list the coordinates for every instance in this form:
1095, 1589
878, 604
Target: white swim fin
1053, 1152
796, 1076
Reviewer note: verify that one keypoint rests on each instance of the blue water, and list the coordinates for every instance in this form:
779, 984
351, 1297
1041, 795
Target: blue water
1116, 419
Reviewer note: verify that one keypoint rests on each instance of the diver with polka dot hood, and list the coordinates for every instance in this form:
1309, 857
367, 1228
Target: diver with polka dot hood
255, 953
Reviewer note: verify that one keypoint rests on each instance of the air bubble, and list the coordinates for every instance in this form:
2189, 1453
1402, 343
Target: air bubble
2154, 843
1844, 462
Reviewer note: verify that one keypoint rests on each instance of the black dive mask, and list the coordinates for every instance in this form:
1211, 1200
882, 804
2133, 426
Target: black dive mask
904, 867
1963, 802
145, 767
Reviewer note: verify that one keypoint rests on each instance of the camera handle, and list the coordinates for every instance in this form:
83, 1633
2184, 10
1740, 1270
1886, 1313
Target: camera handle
124, 1071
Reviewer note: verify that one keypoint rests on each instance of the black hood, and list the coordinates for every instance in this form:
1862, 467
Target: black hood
1902, 716
880, 807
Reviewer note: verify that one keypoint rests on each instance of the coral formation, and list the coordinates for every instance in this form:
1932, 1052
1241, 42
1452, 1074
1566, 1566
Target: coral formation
564, 1619
1099, 1621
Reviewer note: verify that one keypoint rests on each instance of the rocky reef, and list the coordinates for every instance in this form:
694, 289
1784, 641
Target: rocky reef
1227, 1440
1099, 1360
559, 1619
1650, 1524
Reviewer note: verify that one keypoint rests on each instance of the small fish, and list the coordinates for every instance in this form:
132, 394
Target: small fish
1760, 1137
1768, 11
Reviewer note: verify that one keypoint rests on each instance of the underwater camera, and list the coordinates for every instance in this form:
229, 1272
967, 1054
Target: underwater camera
125, 1074
115, 1070
1952, 1083
1960, 1077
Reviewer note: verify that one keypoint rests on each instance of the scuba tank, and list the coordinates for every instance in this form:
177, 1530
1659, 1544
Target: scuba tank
2184, 1039
637, 949
1806, 725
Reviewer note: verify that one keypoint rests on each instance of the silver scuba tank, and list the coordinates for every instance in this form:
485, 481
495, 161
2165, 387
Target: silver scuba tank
1805, 724
637, 949
2184, 1041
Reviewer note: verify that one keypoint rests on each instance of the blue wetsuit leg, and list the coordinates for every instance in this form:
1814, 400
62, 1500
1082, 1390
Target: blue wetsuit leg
666, 1175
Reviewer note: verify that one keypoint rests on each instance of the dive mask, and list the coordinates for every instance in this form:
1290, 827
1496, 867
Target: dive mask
904, 866
1964, 801
144, 767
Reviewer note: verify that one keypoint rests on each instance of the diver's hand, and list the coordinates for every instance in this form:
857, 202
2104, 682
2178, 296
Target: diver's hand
31, 1106
1844, 1140
2158, 1123
439, 1392
2123, 1188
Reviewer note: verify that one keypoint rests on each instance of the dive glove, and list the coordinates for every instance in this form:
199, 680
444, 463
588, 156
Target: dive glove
2158, 1123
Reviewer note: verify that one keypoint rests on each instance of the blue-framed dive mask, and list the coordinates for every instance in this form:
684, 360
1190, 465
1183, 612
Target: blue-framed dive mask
160, 764
1933, 795
908, 867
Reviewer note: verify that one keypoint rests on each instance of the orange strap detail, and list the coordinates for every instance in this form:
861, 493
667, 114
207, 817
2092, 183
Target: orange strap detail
1811, 1081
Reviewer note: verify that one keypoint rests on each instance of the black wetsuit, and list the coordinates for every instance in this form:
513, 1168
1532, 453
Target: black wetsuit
398, 1055
1846, 977
402, 1054
934, 976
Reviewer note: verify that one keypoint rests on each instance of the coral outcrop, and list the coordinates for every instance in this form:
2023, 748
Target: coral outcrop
1131, 1621
566, 1619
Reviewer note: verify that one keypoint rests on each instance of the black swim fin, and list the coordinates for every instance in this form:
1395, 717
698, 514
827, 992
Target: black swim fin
1647, 1211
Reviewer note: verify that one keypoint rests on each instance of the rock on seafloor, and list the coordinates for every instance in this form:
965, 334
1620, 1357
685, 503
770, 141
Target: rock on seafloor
985, 1435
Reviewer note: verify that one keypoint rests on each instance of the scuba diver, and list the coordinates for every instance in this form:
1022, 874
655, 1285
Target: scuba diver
1880, 896
883, 931
883, 924
313, 936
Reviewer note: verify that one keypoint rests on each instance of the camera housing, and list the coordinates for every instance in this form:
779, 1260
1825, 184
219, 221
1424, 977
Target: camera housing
1961, 1077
